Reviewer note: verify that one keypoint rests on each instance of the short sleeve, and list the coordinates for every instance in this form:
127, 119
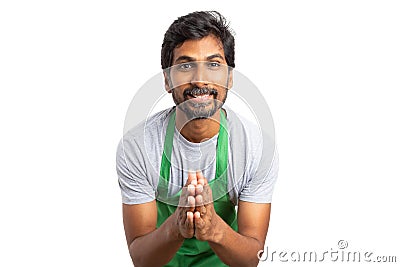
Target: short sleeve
133, 182
260, 185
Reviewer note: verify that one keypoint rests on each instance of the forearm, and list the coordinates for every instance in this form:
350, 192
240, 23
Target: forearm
158, 247
233, 248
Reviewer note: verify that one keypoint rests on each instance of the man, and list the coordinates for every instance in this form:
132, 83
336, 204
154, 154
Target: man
183, 170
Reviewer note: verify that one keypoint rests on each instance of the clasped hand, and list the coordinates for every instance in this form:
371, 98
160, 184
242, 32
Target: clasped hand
195, 213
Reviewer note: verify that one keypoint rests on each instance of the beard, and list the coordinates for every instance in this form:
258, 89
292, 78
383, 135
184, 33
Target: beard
196, 110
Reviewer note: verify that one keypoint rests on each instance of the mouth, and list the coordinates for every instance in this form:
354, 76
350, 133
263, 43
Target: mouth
200, 94
200, 97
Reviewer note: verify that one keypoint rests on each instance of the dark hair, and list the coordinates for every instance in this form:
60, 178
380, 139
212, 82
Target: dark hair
197, 25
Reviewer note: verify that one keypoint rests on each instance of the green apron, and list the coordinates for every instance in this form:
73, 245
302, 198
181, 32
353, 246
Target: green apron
194, 252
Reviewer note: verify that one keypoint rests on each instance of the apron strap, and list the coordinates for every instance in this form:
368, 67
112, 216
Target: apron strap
221, 161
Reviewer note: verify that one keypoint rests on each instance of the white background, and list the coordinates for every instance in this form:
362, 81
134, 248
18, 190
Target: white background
329, 71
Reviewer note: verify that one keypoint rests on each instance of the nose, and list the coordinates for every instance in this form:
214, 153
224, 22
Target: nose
199, 78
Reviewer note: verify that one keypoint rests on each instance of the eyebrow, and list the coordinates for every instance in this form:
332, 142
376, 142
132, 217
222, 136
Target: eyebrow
218, 55
187, 58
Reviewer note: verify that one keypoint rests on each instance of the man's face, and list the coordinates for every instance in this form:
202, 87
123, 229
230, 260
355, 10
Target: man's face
199, 77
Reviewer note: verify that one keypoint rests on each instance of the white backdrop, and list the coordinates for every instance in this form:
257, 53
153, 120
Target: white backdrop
329, 71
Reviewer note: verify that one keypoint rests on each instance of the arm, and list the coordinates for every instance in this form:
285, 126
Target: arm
241, 248
236, 248
151, 246
233, 248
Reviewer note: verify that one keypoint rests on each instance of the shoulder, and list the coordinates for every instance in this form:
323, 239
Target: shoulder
244, 131
144, 137
152, 125
252, 144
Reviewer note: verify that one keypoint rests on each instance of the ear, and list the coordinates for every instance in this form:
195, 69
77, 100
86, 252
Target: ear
166, 82
230, 79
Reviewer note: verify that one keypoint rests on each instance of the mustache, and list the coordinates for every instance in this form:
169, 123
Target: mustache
200, 91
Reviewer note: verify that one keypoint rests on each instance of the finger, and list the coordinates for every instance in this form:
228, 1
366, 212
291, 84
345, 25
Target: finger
198, 221
191, 178
204, 195
192, 190
199, 201
189, 220
189, 225
201, 181
191, 203
183, 198
199, 189
199, 176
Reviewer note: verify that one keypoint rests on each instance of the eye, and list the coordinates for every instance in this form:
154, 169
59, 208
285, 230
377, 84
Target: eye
185, 66
214, 65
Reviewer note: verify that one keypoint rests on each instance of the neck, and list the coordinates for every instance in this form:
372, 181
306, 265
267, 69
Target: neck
198, 130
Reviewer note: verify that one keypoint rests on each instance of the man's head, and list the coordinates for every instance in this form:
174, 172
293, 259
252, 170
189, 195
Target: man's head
197, 56
195, 26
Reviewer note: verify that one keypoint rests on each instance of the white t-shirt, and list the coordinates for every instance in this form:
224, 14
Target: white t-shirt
252, 160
